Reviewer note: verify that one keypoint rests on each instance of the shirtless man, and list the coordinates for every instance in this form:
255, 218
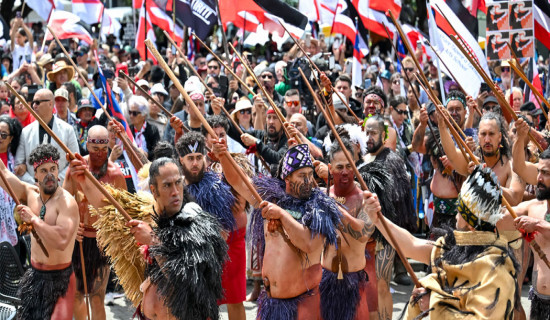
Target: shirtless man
348, 291
445, 183
185, 242
305, 217
215, 197
495, 153
47, 289
97, 266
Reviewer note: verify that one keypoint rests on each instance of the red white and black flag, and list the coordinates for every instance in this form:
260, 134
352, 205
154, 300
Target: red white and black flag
542, 21
67, 25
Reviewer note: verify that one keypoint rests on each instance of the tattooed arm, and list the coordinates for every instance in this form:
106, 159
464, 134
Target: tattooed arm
360, 228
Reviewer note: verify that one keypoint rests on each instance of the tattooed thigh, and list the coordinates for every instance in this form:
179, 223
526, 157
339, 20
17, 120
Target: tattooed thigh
384, 263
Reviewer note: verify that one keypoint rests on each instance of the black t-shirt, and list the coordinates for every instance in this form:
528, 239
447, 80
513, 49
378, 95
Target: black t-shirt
126, 171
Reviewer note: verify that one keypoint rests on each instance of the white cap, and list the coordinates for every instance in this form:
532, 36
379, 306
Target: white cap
143, 82
159, 88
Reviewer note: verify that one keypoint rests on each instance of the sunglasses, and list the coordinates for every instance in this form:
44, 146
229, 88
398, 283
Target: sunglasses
292, 103
39, 101
213, 67
408, 69
4, 135
396, 82
134, 113
267, 76
401, 112
505, 69
247, 111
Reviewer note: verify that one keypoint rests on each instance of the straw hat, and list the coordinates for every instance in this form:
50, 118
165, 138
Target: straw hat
58, 67
505, 63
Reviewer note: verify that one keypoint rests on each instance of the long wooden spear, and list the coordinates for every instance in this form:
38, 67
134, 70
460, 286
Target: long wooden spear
452, 75
522, 75
24, 226
88, 174
235, 125
361, 181
319, 71
226, 67
137, 162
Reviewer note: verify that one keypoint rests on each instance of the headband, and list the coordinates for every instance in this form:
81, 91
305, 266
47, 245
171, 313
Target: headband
196, 96
98, 141
376, 97
451, 98
193, 147
270, 111
43, 161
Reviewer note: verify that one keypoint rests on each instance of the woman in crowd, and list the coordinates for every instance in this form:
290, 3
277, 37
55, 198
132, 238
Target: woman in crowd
10, 131
243, 114
145, 134
19, 111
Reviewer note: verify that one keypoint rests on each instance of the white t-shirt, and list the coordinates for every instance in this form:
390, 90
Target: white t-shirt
21, 55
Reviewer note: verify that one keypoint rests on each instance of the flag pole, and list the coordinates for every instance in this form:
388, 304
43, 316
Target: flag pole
224, 39
145, 24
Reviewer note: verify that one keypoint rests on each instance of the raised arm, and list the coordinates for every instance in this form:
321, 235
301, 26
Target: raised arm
457, 160
417, 249
526, 170
75, 172
230, 173
60, 235
419, 136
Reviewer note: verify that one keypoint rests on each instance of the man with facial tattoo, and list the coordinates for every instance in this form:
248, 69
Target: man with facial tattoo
215, 197
97, 267
398, 208
348, 287
302, 219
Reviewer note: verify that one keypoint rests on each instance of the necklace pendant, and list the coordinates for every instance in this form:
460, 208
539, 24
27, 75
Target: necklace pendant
42, 211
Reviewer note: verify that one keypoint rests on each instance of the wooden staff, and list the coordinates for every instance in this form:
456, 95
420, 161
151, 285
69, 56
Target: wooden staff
228, 68
24, 225
194, 108
137, 162
319, 71
88, 174
502, 101
522, 75
361, 181
452, 75
273, 106
237, 127
462, 145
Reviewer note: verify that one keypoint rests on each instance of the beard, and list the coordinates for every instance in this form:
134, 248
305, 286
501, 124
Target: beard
373, 146
542, 192
192, 177
49, 190
491, 153
101, 172
272, 134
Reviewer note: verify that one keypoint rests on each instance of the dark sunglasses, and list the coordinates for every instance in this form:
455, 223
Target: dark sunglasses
396, 82
4, 135
213, 67
134, 113
505, 69
247, 111
39, 101
408, 69
401, 112
268, 76
292, 103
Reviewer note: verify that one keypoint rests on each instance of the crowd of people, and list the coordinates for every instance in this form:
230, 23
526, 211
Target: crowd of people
236, 192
